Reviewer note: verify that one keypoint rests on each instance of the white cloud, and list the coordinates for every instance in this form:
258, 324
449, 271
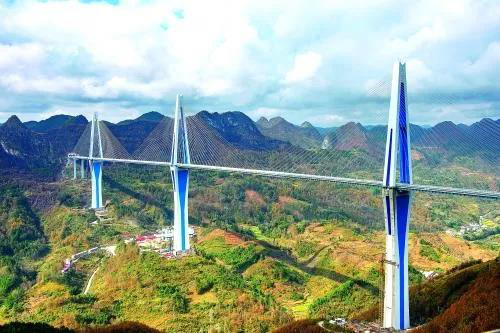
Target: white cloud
113, 113
21, 55
296, 59
326, 120
419, 75
304, 67
486, 68
56, 85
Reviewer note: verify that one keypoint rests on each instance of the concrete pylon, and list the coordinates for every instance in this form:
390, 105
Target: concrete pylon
180, 178
397, 205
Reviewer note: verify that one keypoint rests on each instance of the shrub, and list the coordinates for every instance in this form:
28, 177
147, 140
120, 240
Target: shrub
464, 265
265, 299
296, 296
84, 299
204, 283
307, 326
6, 283
14, 300
125, 327
240, 257
229, 279
167, 290
179, 303
340, 292
426, 250
281, 271
101, 317
301, 227
74, 280
174, 293
69, 199
414, 275
305, 248
17, 327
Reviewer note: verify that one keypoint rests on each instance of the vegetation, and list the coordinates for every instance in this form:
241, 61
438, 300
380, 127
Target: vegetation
204, 283
124, 327
267, 251
235, 257
17, 327
428, 251
308, 326
461, 300
21, 241
341, 301
476, 309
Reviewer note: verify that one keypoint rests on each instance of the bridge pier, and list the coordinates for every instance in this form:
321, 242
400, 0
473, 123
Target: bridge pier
397, 205
74, 169
96, 173
82, 169
180, 181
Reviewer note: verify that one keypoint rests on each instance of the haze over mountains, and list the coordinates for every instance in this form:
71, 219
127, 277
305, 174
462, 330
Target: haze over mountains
38, 145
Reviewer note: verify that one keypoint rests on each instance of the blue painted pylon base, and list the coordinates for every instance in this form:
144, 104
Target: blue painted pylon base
180, 180
96, 171
396, 299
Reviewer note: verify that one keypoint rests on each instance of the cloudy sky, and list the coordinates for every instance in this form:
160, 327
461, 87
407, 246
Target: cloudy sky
327, 62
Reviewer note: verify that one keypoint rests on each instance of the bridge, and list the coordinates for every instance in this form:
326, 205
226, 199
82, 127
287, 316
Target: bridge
186, 144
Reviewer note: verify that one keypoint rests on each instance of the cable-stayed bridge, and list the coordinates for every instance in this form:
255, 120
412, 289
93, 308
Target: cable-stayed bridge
187, 143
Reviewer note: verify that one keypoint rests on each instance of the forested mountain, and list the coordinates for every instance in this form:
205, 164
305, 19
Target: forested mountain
153, 116
42, 153
238, 129
37, 145
22, 240
55, 122
305, 136
268, 250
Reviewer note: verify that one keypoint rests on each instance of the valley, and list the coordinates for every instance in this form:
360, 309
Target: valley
267, 251
276, 266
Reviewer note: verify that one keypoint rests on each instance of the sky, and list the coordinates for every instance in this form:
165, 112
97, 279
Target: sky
326, 62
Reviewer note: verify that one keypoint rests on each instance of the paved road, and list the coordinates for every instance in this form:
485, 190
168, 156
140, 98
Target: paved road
90, 281
111, 249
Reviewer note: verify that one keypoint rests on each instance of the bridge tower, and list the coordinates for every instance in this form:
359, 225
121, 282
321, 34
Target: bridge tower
74, 168
180, 178
397, 204
96, 165
82, 169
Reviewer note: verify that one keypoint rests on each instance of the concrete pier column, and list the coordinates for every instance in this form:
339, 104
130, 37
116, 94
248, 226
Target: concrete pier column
96, 172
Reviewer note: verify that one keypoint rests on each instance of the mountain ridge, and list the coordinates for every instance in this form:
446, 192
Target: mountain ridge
55, 122
304, 136
35, 145
238, 129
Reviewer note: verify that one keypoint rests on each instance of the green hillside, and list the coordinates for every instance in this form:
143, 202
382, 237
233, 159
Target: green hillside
267, 251
22, 242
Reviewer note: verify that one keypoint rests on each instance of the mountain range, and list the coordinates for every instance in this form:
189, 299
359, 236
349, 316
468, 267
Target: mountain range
44, 144
305, 135
21, 147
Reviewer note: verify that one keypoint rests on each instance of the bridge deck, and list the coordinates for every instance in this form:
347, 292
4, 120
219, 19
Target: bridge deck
279, 174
